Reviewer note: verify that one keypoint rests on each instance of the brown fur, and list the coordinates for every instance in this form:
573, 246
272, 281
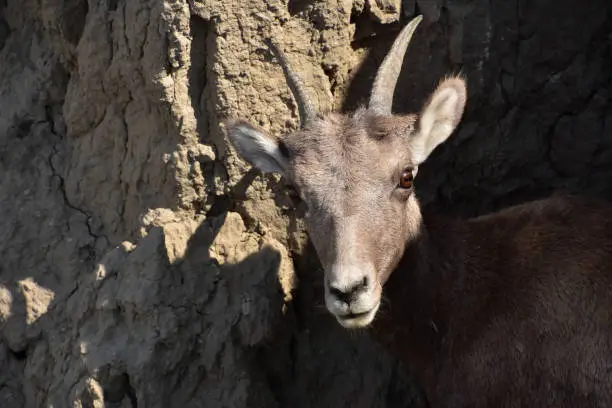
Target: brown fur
512, 309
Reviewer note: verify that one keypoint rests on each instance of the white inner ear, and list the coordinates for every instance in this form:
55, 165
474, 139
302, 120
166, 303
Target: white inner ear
436, 123
258, 149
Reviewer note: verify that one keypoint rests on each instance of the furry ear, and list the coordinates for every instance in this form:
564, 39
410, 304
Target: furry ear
254, 146
439, 117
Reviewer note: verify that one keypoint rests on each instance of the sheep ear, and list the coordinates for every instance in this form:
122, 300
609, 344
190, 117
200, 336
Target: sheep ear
254, 146
439, 118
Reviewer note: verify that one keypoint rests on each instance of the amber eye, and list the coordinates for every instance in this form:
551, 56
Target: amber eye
406, 178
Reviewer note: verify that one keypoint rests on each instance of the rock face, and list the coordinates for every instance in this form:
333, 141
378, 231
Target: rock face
143, 264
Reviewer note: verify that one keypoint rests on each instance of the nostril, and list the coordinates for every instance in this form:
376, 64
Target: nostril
365, 282
337, 293
347, 293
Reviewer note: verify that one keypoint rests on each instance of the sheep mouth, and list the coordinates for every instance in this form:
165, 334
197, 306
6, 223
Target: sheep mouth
356, 315
357, 320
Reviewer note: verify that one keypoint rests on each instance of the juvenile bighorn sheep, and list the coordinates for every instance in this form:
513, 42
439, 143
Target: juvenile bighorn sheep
504, 310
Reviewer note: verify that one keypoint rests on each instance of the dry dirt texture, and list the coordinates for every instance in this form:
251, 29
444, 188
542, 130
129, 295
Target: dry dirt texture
143, 264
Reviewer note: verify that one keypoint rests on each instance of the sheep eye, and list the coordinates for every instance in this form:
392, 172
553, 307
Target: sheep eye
406, 179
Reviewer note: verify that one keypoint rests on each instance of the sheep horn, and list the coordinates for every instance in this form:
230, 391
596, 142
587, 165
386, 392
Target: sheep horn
306, 109
383, 89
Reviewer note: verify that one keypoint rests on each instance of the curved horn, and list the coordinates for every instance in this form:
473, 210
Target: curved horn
306, 109
381, 97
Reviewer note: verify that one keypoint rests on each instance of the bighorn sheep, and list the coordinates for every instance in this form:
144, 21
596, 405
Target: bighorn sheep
504, 310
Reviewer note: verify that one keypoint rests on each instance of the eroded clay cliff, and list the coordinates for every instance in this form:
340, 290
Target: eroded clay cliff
143, 264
